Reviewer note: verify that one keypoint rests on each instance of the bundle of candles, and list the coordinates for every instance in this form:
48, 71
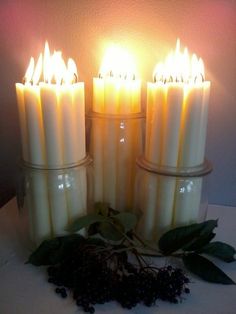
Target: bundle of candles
51, 109
116, 138
177, 110
52, 120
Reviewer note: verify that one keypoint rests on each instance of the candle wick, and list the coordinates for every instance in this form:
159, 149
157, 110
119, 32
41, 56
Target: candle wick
75, 79
24, 80
199, 77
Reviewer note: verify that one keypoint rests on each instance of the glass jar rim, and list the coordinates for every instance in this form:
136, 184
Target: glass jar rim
198, 171
83, 162
99, 115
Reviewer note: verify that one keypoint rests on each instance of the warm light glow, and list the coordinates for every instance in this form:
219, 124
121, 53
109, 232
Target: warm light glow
118, 63
51, 69
180, 67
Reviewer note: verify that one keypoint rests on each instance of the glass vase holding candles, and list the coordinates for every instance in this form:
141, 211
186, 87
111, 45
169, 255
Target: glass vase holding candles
115, 141
56, 179
167, 197
49, 200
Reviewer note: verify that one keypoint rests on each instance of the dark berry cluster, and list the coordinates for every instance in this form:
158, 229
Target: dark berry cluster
94, 277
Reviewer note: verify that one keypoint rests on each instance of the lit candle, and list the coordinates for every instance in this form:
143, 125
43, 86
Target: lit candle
115, 92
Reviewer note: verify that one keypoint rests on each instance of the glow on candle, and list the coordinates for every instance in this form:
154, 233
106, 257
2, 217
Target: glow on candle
118, 63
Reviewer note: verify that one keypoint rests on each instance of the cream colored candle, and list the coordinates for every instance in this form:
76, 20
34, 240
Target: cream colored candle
97, 137
71, 107
79, 121
76, 193
39, 211
148, 204
57, 201
22, 119
192, 145
51, 124
164, 109
34, 125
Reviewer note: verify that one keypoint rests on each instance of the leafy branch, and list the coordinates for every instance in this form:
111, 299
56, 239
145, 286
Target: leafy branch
114, 231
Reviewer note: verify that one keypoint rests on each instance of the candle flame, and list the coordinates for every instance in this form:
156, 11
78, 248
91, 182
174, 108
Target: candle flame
118, 63
180, 67
52, 68
30, 70
38, 70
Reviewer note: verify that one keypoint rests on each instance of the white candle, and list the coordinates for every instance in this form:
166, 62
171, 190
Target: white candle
39, 210
22, 119
76, 193
79, 121
58, 202
51, 124
192, 144
34, 125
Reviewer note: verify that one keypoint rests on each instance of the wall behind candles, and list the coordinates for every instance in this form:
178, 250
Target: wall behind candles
148, 28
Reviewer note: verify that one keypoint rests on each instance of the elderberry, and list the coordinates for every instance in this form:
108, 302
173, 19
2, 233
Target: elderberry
97, 278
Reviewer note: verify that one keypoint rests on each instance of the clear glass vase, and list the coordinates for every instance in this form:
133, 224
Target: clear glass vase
169, 197
115, 141
49, 200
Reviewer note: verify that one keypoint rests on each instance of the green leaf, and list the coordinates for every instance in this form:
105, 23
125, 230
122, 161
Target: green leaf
110, 231
205, 269
50, 252
128, 220
198, 243
85, 221
220, 250
180, 237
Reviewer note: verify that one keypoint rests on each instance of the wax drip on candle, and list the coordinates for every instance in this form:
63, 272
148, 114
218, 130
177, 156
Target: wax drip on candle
51, 69
180, 67
117, 63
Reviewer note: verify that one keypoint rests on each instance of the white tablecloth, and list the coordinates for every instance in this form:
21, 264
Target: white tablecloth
24, 289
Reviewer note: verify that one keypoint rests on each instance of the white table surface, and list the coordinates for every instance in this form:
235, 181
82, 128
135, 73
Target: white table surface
24, 289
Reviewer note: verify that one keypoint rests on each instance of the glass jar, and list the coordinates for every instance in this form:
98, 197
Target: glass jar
169, 197
50, 199
115, 141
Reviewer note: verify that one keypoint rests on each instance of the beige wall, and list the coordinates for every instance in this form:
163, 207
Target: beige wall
83, 28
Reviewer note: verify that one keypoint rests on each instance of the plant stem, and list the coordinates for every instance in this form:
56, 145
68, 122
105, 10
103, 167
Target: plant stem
147, 245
